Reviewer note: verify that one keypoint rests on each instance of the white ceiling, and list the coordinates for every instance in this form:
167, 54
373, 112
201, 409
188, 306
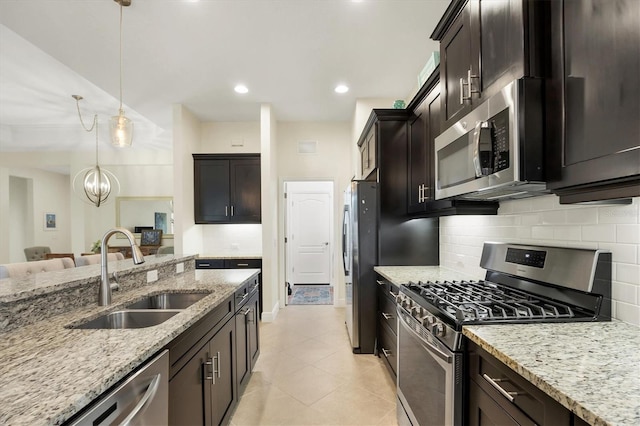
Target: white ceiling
290, 53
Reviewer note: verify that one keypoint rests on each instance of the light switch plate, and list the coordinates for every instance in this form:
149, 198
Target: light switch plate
180, 268
152, 276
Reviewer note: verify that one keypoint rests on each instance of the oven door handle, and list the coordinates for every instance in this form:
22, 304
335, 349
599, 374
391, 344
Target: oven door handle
425, 344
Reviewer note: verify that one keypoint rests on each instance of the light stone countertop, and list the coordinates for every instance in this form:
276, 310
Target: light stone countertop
593, 369
49, 372
403, 274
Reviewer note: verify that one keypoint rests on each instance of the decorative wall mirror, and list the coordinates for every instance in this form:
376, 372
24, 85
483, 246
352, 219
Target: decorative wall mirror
144, 213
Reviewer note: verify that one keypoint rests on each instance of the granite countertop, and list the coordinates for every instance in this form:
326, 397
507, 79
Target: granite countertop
592, 369
49, 372
403, 274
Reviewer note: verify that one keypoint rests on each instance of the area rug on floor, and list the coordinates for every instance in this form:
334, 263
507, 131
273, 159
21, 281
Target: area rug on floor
311, 295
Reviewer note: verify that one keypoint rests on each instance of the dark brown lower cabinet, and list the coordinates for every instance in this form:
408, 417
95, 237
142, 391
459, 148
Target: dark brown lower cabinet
387, 325
212, 360
500, 396
248, 343
204, 390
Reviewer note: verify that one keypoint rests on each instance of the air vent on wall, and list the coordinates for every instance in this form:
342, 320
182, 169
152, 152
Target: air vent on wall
307, 147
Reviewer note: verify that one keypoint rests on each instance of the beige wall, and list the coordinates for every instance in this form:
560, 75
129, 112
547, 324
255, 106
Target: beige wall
331, 162
186, 140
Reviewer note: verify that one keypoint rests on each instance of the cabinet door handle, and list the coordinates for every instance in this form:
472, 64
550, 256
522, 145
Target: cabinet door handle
386, 352
254, 287
217, 369
243, 264
380, 282
250, 319
231, 210
211, 377
226, 210
387, 316
462, 97
494, 382
245, 312
470, 84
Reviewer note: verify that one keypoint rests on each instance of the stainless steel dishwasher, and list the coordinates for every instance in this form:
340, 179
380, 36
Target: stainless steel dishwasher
142, 399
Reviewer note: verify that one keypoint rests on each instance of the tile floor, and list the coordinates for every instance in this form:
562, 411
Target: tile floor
307, 375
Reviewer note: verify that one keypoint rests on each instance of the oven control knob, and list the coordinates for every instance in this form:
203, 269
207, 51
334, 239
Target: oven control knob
407, 303
428, 320
438, 329
416, 312
400, 297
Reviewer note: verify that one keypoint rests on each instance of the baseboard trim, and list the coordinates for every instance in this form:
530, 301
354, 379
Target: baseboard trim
271, 316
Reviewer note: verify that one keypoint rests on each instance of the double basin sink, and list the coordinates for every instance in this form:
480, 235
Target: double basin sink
150, 311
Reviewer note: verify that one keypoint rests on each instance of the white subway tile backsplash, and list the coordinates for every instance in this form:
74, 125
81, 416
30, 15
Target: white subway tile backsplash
586, 216
628, 273
624, 253
544, 221
628, 234
623, 292
542, 232
628, 313
618, 214
567, 232
554, 217
605, 233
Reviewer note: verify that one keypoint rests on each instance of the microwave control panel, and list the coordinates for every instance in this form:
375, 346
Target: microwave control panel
500, 140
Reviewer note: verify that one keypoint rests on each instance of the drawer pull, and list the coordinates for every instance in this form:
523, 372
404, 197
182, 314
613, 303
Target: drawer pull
204, 264
380, 282
494, 382
243, 264
386, 352
387, 316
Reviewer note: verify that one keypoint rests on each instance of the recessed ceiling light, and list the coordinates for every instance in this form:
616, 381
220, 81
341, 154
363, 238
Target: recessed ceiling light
241, 88
341, 88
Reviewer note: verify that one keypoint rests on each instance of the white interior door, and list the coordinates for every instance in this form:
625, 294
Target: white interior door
309, 232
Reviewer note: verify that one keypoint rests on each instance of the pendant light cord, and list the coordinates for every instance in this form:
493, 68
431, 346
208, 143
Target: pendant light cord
120, 56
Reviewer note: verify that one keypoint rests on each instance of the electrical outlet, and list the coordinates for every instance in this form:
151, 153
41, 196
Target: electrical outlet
180, 268
152, 276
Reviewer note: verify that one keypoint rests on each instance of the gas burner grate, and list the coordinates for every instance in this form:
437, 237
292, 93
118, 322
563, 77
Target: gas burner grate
473, 301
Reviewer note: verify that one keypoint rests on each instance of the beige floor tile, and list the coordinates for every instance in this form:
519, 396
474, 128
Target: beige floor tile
307, 374
309, 384
354, 405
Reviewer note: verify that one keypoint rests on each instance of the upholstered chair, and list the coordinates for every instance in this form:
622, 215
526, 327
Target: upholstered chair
165, 250
36, 253
24, 269
93, 259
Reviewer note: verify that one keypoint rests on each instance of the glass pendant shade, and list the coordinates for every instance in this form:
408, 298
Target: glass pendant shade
121, 130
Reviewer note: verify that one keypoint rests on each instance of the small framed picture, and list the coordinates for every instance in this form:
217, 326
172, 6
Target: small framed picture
50, 222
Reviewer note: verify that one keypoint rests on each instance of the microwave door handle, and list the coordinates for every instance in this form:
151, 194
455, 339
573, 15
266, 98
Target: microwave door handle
482, 167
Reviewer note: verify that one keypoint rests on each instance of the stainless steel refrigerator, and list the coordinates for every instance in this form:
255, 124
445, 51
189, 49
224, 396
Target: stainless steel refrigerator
373, 237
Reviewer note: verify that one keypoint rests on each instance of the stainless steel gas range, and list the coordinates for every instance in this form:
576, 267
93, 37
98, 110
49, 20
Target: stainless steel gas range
523, 284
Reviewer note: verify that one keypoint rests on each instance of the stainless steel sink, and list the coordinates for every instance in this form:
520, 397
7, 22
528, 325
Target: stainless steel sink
129, 319
168, 301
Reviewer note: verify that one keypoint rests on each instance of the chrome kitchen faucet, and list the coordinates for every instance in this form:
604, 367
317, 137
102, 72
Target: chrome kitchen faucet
104, 294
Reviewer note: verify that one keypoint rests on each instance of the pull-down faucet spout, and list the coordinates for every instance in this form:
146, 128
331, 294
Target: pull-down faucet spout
104, 294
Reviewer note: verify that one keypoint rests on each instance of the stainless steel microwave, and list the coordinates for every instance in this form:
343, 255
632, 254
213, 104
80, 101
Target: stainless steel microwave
496, 151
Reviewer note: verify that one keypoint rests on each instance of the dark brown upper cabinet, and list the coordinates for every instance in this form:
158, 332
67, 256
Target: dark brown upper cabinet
227, 188
484, 45
593, 113
424, 127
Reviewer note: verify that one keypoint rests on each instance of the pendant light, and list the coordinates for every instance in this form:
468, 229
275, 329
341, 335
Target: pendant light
120, 127
94, 185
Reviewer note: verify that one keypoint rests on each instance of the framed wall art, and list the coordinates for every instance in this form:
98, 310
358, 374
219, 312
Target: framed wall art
50, 223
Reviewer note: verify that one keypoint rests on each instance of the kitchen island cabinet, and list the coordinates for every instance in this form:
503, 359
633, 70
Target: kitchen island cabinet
387, 325
82, 364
